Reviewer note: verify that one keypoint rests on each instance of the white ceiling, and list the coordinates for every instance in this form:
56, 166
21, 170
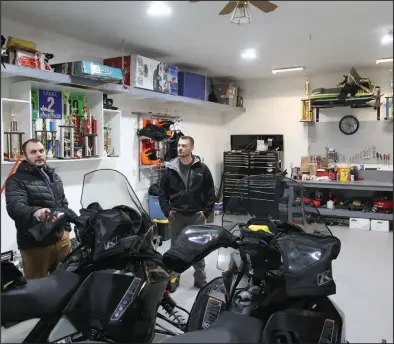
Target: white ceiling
343, 33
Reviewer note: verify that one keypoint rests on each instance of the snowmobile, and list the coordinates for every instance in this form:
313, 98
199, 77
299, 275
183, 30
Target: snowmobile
109, 288
353, 91
277, 276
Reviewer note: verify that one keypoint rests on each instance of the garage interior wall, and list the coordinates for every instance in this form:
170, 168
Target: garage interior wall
273, 107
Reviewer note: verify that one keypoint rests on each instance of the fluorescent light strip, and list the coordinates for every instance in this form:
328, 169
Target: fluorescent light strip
389, 59
285, 70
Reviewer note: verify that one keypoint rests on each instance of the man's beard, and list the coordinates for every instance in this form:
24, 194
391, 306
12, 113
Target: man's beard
32, 163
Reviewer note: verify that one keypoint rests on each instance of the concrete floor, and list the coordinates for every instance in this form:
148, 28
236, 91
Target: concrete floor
364, 276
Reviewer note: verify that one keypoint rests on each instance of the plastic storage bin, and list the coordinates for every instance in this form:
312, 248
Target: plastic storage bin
192, 85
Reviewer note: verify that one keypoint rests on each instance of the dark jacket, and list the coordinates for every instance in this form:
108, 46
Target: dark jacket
197, 195
28, 190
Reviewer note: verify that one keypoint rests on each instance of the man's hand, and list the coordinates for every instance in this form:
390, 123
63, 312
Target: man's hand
41, 213
172, 212
201, 213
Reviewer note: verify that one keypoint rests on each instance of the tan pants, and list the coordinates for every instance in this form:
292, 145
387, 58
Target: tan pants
38, 262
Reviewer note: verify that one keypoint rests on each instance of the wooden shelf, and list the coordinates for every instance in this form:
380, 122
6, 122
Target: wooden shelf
22, 74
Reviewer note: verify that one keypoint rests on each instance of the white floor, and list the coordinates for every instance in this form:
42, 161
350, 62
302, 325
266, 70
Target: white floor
364, 276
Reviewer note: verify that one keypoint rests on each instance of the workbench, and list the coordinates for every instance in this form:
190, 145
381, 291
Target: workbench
366, 185
362, 185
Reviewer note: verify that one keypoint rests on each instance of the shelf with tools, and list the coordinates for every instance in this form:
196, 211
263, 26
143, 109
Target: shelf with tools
71, 122
343, 213
16, 73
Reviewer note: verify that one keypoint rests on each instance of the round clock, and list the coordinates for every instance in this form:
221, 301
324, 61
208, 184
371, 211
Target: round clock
349, 125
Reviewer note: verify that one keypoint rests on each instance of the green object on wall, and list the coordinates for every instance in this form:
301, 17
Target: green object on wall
76, 103
34, 101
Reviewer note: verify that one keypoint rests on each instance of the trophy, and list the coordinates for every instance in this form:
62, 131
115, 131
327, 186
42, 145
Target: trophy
108, 149
66, 143
14, 140
89, 133
49, 144
107, 140
307, 113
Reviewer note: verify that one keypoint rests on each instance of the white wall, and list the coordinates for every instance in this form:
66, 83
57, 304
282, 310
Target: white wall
206, 127
273, 106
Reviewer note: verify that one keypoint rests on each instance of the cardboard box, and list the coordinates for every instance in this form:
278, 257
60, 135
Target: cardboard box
146, 73
359, 223
226, 93
380, 226
90, 70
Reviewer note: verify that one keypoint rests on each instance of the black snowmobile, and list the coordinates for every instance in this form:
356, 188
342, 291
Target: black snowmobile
277, 275
353, 91
111, 287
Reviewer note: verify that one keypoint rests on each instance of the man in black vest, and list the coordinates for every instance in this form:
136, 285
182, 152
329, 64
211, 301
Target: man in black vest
30, 193
187, 196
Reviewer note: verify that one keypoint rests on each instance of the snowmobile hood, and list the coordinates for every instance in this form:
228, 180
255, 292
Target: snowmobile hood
174, 163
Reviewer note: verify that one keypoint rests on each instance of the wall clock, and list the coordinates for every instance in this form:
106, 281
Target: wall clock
349, 125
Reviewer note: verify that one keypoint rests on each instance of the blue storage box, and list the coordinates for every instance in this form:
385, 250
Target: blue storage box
90, 70
192, 85
154, 208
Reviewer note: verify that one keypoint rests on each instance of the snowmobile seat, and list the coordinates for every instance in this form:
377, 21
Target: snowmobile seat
39, 298
228, 328
322, 91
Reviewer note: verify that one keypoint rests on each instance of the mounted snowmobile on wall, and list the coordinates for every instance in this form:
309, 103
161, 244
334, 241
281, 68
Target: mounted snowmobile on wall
353, 91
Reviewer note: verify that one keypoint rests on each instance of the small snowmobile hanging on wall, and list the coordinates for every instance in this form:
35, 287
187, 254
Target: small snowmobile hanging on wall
353, 91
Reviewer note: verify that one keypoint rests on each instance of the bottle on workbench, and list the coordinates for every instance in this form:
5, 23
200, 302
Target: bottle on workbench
354, 173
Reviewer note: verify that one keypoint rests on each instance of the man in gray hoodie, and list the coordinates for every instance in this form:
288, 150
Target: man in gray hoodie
187, 196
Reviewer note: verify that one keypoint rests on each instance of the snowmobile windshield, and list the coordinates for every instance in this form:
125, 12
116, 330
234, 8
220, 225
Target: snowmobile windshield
109, 188
272, 197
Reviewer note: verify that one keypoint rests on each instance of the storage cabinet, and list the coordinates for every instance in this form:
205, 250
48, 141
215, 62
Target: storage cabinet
238, 165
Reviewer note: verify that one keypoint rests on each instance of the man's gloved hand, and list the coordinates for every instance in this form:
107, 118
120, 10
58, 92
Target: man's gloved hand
201, 213
40, 214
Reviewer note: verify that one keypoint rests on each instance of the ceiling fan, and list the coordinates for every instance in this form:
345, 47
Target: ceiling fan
241, 12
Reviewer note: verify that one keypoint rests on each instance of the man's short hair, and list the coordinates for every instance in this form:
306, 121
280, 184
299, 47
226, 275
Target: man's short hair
189, 138
27, 142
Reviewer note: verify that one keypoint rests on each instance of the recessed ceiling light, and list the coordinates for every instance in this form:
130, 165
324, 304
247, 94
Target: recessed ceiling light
386, 60
387, 38
249, 54
285, 70
159, 8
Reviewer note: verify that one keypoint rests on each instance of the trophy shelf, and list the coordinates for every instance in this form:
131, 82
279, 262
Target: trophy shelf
37, 98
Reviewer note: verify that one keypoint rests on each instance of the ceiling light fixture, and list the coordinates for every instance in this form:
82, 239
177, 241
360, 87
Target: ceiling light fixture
158, 8
241, 13
386, 60
249, 54
285, 70
387, 38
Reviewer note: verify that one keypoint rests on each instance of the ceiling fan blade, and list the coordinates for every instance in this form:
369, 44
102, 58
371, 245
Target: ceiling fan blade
228, 8
264, 6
